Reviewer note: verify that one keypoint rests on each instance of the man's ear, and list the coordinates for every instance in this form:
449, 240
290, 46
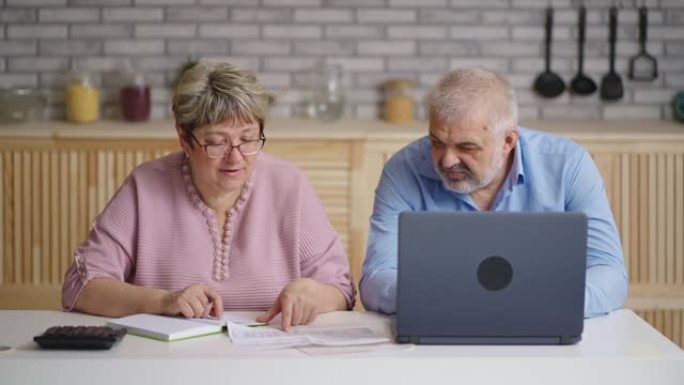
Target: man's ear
510, 140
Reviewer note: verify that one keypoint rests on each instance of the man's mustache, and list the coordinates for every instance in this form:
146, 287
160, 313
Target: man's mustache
456, 168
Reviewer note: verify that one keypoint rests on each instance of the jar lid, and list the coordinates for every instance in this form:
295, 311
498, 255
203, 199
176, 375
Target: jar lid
399, 84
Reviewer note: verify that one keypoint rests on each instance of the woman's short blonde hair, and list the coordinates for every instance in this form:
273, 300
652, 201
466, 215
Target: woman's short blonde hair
211, 93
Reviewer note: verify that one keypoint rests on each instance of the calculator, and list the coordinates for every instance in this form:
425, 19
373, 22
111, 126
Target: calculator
80, 337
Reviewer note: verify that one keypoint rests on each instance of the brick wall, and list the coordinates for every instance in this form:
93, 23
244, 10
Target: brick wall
282, 40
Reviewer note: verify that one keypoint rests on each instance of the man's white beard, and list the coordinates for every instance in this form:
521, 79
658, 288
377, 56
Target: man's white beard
470, 183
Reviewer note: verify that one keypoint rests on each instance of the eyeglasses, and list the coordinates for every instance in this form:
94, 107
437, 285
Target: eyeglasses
249, 147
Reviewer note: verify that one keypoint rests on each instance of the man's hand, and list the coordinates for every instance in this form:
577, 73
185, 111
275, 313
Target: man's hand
195, 301
300, 302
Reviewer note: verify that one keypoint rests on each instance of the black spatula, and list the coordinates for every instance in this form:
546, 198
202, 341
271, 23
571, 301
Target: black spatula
548, 84
611, 84
643, 66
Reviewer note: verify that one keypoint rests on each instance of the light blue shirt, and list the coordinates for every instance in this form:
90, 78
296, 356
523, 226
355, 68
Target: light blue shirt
549, 173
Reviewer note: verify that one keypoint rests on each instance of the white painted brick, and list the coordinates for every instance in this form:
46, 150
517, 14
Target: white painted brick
291, 3
233, 31
157, 63
70, 47
354, 31
665, 4
96, 31
197, 46
2, 65
244, 62
675, 49
38, 64
134, 47
35, 3
673, 17
55, 81
363, 95
513, 17
358, 64
417, 32
389, 16
11, 80
666, 33
659, 96
670, 64
355, 3
18, 47
368, 111
196, 14
280, 111
100, 3
421, 3
132, 14
536, 33
378, 47
164, 30
536, 65
540, 4
570, 17
571, 112
289, 64
323, 16
510, 49
428, 80
448, 16
164, 2
160, 111
161, 95
292, 31
448, 48
262, 15
479, 33
528, 113
17, 15
416, 64
274, 80
622, 111
479, 3
527, 95
241, 3
260, 47
69, 15
323, 48
675, 80
498, 65
100, 64
36, 31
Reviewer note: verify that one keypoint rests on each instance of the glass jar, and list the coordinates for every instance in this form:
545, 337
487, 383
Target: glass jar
329, 93
82, 100
398, 101
135, 98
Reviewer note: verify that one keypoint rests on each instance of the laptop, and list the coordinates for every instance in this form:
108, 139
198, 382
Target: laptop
491, 278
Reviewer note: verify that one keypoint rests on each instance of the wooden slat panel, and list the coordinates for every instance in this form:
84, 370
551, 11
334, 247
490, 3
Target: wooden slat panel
18, 218
36, 215
668, 212
63, 219
3, 237
679, 220
45, 193
55, 265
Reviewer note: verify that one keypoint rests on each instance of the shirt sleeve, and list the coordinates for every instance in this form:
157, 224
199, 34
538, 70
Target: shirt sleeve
322, 256
109, 249
378, 284
606, 279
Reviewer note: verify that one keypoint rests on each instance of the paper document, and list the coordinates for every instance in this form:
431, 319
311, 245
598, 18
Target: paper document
269, 336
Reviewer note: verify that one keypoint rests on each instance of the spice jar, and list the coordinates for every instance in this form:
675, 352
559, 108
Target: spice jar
82, 100
399, 101
135, 97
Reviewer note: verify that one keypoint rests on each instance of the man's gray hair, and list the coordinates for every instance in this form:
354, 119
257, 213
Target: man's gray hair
463, 93
211, 93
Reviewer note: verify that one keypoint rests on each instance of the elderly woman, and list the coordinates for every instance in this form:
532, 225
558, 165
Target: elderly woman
216, 226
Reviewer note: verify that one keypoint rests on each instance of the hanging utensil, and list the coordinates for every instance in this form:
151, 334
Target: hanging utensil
548, 84
643, 66
582, 84
611, 84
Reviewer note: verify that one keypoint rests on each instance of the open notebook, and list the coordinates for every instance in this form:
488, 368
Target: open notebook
165, 328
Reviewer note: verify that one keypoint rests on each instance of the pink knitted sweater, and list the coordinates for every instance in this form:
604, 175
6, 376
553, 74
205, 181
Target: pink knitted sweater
157, 232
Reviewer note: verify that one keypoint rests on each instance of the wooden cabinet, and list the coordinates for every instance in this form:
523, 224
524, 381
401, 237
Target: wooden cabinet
54, 179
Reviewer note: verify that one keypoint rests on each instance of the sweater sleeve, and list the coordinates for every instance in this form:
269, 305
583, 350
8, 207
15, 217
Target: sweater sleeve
109, 250
322, 256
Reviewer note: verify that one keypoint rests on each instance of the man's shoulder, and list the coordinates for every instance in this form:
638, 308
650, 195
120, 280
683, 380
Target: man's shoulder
546, 143
412, 152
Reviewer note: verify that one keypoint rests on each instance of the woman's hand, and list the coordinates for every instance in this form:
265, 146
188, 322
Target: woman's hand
302, 300
195, 301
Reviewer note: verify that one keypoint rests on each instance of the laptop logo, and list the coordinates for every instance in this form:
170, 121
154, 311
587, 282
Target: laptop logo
495, 273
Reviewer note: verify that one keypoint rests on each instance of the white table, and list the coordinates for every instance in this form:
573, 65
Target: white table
617, 349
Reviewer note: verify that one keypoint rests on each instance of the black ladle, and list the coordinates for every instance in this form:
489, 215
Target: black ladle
611, 84
548, 84
582, 84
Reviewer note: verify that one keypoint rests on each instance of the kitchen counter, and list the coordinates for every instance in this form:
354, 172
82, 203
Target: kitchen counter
341, 129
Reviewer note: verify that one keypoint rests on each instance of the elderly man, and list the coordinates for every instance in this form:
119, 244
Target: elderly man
476, 158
